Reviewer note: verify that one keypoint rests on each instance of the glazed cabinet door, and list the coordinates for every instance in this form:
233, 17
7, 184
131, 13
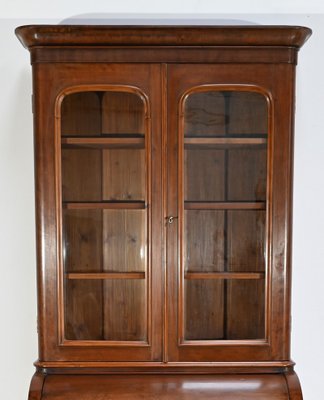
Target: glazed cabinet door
229, 186
108, 212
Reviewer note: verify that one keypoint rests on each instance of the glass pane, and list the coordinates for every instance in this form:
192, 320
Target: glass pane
104, 216
123, 114
227, 174
205, 114
246, 241
104, 240
245, 309
125, 310
80, 114
82, 240
225, 113
204, 309
105, 310
219, 309
247, 174
204, 175
205, 241
103, 174
246, 114
124, 238
225, 193
83, 310
102, 114
220, 241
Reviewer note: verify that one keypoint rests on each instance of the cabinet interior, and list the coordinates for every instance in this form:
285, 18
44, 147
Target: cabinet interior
105, 215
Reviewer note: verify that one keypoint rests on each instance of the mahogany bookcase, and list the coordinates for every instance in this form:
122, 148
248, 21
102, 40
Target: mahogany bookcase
163, 165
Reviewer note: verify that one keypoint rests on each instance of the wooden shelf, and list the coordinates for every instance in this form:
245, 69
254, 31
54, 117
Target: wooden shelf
109, 205
224, 275
103, 142
123, 135
219, 205
224, 142
105, 275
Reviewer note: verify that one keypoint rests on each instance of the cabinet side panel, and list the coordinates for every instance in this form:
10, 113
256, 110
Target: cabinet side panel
45, 198
281, 185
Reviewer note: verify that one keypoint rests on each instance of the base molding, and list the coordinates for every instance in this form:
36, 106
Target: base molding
244, 386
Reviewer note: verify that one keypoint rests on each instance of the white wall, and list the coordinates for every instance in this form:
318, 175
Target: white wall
17, 243
62, 8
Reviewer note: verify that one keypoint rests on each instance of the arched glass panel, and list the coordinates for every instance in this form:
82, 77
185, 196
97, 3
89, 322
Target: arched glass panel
225, 136
104, 216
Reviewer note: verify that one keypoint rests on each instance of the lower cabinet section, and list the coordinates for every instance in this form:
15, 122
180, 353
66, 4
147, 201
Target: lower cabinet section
166, 387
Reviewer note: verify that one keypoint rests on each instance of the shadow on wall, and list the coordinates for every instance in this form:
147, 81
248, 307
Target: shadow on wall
151, 19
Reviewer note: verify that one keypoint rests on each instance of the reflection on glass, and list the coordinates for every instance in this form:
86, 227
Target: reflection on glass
225, 113
205, 114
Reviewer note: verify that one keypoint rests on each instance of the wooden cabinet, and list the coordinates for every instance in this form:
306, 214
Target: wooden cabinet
163, 159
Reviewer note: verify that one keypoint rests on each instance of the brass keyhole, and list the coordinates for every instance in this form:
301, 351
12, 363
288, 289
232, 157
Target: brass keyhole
171, 219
